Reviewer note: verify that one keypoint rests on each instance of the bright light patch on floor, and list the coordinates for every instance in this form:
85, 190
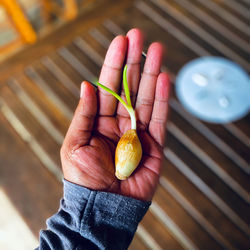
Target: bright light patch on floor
14, 233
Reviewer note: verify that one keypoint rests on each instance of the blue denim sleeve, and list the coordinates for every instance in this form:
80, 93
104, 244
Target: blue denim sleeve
89, 219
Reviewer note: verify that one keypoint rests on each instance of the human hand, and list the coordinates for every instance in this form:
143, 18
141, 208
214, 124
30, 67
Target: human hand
99, 121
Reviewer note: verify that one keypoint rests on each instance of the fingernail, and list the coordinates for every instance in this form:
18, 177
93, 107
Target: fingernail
82, 89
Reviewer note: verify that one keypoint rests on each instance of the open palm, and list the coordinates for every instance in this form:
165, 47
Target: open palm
88, 150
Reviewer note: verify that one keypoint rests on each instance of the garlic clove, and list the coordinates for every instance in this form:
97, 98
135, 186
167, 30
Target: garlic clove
128, 154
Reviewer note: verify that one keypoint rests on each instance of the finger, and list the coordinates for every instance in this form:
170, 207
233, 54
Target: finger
135, 44
157, 125
146, 93
111, 75
80, 130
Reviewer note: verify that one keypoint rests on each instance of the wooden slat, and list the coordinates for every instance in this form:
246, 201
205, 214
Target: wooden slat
44, 103
65, 67
159, 232
210, 135
92, 49
54, 84
236, 144
137, 243
43, 84
81, 68
206, 175
31, 125
26, 182
195, 213
208, 161
236, 8
213, 26
102, 35
240, 130
180, 217
80, 55
208, 203
225, 17
219, 156
40, 115
59, 74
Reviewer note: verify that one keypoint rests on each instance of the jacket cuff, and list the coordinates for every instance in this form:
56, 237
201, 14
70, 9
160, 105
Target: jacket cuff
100, 207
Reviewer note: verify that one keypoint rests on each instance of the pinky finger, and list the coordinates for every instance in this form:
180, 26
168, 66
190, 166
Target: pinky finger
157, 125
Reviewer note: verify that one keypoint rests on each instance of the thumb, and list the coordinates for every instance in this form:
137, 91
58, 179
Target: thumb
80, 130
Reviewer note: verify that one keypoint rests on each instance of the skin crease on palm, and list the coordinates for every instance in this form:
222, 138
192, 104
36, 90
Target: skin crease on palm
88, 151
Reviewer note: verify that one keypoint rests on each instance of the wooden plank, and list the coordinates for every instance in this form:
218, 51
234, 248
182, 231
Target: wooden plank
212, 137
183, 220
240, 130
222, 17
81, 68
44, 103
223, 162
35, 110
54, 83
101, 35
159, 232
68, 80
207, 176
137, 244
236, 8
78, 58
68, 69
92, 49
235, 143
195, 213
197, 193
26, 182
32, 125
164, 19
42, 83
214, 27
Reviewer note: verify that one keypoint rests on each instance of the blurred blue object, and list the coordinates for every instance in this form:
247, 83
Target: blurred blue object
214, 89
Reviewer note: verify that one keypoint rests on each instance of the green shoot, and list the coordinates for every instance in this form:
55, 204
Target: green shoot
125, 86
127, 105
112, 93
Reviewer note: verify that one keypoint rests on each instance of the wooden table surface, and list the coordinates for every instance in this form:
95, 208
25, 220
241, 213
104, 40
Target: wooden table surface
202, 201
